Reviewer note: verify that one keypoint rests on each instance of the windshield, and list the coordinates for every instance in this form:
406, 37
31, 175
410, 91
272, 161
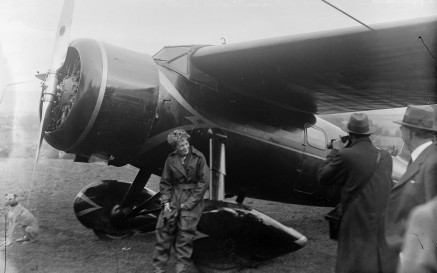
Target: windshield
169, 53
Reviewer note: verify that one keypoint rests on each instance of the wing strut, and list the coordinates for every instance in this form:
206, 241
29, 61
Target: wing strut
217, 164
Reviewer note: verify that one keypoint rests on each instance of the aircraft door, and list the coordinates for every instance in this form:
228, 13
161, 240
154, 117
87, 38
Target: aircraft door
315, 141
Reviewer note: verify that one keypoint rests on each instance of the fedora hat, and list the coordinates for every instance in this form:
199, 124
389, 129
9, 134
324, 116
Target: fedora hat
421, 117
359, 124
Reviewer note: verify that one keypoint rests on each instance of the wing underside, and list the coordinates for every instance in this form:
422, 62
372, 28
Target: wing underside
339, 71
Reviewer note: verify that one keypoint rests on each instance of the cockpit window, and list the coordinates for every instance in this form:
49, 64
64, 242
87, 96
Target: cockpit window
169, 53
180, 64
316, 137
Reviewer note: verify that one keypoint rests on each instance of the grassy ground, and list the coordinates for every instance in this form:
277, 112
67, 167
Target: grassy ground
66, 246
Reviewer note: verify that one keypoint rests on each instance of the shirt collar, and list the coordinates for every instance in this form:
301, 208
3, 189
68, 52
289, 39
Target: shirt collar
415, 154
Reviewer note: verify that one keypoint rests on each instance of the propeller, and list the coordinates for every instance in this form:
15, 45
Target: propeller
60, 47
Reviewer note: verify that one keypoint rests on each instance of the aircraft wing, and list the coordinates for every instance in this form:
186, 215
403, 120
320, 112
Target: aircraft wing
332, 72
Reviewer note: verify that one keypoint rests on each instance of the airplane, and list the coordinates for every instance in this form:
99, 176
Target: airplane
253, 108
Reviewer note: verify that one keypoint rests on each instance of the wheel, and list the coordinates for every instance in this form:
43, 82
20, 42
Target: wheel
94, 203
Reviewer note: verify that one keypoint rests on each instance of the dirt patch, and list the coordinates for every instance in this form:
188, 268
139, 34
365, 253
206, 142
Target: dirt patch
66, 246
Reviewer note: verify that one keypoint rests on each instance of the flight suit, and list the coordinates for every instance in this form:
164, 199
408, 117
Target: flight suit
180, 184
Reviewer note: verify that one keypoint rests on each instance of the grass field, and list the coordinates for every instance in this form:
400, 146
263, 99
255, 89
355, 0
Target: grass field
66, 246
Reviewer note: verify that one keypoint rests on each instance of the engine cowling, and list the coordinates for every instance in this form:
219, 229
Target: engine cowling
106, 101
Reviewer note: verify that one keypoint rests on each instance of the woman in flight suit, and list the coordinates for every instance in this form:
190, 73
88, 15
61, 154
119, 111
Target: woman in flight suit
184, 181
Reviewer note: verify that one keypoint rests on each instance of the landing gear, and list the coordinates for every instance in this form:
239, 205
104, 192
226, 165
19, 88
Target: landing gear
217, 163
120, 212
94, 207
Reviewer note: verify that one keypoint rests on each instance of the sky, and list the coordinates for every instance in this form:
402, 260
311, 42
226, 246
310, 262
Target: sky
27, 28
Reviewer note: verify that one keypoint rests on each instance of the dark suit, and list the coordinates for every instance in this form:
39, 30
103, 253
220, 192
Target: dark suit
417, 186
361, 242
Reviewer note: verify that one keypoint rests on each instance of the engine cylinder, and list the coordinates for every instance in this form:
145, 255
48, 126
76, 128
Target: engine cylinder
112, 109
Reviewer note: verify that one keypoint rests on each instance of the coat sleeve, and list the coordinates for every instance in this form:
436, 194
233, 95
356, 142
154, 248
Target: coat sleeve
431, 179
202, 184
331, 170
166, 185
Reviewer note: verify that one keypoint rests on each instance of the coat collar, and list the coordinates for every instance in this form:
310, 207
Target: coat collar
363, 139
414, 167
178, 162
193, 151
416, 153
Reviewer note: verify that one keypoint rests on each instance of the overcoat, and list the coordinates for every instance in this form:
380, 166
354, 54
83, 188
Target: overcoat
185, 185
417, 186
361, 242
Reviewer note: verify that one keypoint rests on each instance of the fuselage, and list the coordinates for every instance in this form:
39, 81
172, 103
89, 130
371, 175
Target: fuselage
262, 160
120, 105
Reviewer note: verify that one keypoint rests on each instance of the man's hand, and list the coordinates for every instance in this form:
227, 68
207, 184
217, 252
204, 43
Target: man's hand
338, 144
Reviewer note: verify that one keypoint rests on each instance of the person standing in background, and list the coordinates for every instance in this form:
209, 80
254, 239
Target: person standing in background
419, 183
364, 174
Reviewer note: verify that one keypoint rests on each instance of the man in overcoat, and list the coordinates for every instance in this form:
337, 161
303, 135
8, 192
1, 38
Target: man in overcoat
354, 166
184, 181
418, 185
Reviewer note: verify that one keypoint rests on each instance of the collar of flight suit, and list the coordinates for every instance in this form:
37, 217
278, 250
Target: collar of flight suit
178, 161
192, 151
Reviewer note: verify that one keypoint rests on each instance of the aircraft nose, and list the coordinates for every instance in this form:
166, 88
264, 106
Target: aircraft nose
106, 101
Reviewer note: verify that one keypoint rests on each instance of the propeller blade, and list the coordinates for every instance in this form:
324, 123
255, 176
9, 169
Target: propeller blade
62, 37
40, 139
60, 48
